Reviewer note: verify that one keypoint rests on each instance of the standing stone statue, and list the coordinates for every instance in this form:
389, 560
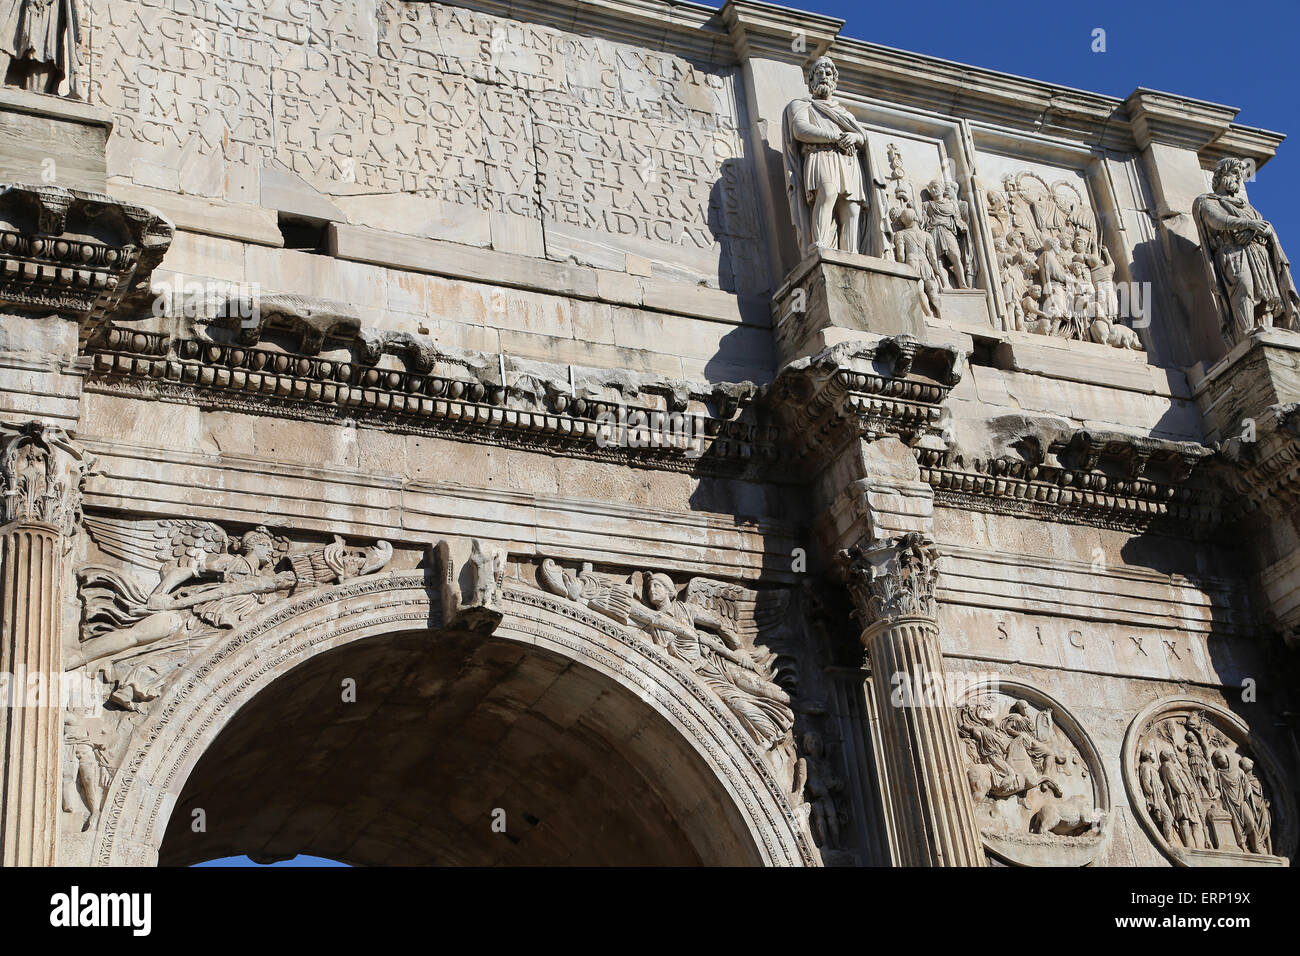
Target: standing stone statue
38, 44
947, 222
828, 172
1249, 273
915, 247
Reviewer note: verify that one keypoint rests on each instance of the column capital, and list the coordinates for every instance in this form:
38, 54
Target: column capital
891, 579
42, 471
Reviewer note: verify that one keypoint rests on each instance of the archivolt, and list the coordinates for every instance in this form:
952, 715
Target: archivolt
166, 747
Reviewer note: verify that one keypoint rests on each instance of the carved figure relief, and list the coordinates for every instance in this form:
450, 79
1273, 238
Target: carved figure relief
710, 629
89, 745
828, 174
182, 582
915, 247
817, 787
1249, 272
38, 44
947, 259
472, 575
1056, 275
1035, 779
1194, 777
207, 580
948, 219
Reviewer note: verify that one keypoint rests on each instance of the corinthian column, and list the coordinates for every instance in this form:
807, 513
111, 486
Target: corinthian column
931, 818
41, 474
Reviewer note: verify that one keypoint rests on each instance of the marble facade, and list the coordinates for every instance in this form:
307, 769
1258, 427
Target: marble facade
455, 433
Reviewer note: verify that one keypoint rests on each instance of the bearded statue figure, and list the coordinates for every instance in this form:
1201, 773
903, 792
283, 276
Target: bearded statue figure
828, 175
1249, 272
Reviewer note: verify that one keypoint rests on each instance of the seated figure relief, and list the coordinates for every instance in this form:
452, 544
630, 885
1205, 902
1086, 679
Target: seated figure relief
709, 629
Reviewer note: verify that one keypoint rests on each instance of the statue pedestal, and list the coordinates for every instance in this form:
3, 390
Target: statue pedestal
833, 297
1250, 400
968, 307
52, 140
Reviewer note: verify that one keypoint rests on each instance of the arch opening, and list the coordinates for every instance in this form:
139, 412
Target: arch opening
449, 733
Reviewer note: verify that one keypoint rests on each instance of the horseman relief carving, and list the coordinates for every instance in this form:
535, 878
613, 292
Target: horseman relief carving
1036, 794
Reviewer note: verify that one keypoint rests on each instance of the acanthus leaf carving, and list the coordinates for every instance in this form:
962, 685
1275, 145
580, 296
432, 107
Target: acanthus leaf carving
42, 471
892, 578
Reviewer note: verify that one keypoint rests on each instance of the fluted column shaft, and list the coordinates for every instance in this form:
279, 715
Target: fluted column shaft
927, 798
31, 724
927, 802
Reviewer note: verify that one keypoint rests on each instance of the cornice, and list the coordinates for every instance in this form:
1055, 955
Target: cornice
79, 254
1103, 479
769, 30
1158, 117
154, 365
947, 87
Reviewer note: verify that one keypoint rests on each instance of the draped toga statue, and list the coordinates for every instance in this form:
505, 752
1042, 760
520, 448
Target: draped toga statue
38, 44
828, 173
1249, 272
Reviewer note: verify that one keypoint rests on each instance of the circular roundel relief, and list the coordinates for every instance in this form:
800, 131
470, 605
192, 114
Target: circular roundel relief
1035, 777
1205, 789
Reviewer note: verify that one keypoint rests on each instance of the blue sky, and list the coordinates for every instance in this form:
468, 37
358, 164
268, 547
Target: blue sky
1242, 54
299, 860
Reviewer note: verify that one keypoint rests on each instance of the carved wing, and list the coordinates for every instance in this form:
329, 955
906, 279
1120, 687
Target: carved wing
159, 544
748, 612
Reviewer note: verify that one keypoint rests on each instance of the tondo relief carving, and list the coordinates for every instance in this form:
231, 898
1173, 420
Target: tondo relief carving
1035, 777
1205, 789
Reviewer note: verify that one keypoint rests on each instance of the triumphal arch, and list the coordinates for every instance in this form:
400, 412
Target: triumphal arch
631, 432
